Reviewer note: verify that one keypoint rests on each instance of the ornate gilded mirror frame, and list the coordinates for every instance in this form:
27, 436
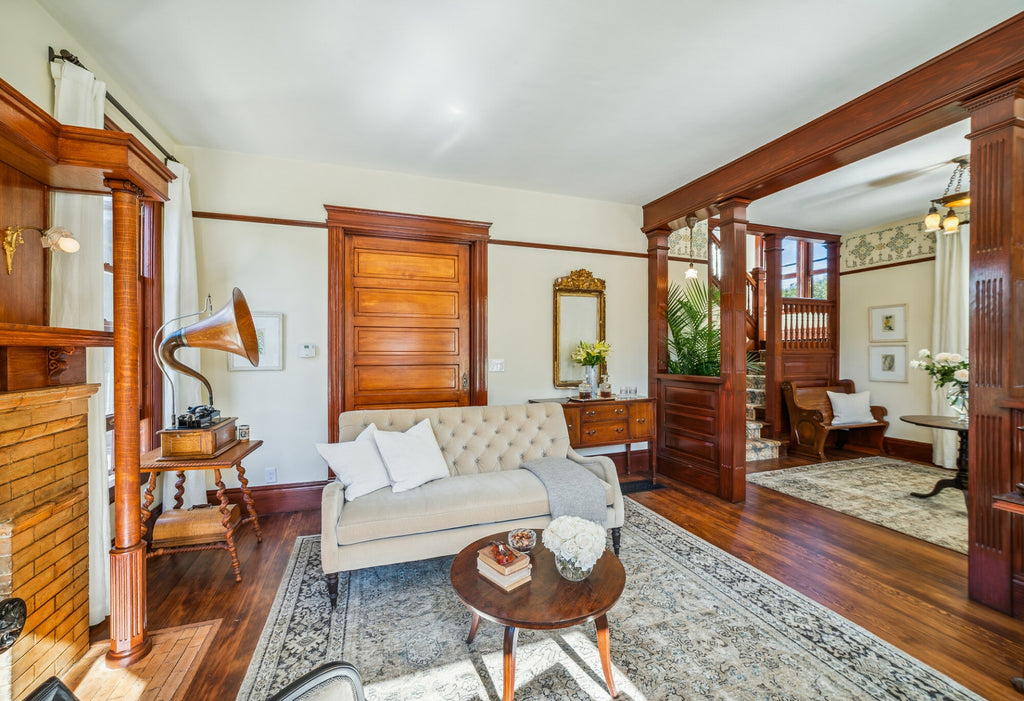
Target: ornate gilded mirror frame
578, 316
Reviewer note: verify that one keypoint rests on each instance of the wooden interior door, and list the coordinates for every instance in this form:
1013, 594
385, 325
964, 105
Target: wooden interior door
407, 306
407, 323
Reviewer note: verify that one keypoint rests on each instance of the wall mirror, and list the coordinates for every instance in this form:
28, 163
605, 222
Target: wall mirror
578, 316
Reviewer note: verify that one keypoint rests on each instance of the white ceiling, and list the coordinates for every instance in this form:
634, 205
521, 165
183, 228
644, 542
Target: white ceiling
618, 101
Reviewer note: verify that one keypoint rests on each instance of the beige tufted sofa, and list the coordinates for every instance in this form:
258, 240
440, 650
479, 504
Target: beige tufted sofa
486, 492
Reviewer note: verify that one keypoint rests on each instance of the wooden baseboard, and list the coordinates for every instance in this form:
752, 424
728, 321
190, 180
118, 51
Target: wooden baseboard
278, 498
908, 450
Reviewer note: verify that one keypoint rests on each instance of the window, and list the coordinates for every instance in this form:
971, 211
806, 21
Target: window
804, 269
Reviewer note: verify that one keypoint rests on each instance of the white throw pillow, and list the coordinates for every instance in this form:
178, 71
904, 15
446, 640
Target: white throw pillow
357, 464
851, 408
411, 458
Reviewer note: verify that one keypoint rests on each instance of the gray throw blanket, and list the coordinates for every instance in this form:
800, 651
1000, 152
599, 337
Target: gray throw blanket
573, 490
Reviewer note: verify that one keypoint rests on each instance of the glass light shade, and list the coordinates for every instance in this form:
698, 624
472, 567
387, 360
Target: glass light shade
951, 223
932, 222
59, 238
691, 272
68, 244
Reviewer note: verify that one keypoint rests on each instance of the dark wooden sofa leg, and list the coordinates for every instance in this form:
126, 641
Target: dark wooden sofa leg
616, 533
332, 588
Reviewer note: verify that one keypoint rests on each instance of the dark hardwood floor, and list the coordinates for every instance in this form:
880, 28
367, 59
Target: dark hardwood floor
906, 591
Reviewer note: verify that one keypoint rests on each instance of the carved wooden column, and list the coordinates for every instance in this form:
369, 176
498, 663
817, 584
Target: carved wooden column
773, 335
832, 253
128, 639
733, 411
657, 303
996, 341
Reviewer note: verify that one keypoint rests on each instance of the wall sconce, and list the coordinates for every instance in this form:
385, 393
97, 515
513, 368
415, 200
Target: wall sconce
56, 238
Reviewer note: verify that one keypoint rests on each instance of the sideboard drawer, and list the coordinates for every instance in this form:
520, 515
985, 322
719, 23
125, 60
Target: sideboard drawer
604, 412
603, 432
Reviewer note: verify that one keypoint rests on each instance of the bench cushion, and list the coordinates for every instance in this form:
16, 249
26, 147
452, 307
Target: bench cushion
453, 502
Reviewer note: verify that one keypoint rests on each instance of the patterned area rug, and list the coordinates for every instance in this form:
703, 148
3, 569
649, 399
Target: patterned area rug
877, 489
693, 623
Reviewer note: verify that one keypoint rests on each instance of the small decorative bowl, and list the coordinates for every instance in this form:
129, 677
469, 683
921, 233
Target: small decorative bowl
522, 539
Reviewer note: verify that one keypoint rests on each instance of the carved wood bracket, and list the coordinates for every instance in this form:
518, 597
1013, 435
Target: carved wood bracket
57, 361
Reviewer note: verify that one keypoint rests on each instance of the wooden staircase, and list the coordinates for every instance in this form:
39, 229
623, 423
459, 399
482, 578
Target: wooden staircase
758, 448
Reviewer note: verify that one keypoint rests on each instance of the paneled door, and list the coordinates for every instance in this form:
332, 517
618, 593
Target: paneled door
407, 306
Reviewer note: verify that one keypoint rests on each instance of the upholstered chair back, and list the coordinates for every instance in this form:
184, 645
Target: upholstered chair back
476, 438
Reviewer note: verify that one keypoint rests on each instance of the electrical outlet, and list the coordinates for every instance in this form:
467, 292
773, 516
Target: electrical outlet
270, 476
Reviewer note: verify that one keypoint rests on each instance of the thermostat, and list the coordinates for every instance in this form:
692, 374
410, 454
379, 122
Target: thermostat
307, 350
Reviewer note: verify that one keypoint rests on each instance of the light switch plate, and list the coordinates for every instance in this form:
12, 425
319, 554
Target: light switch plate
496, 365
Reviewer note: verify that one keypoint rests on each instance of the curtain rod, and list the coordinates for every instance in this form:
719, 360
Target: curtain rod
66, 55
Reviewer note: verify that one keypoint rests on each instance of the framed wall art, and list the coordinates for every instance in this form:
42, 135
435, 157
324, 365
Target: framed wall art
269, 337
888, 324
887, 363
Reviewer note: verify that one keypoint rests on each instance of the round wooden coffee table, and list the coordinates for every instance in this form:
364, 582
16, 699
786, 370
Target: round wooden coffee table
546, 602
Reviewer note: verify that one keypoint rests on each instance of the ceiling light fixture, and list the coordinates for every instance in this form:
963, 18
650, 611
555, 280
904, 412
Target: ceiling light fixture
56, 238
691, 222
953, 196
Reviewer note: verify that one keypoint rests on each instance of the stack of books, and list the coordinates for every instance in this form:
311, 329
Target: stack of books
508, 576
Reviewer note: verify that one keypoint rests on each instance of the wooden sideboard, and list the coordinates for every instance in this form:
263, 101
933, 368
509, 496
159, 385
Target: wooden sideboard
604, 422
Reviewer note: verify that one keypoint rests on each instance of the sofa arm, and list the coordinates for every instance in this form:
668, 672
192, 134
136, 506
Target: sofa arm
332, 501
604, 469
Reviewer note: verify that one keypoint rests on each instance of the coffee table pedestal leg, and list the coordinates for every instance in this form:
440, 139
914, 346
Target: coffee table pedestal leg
509, 653
472, 627
605, 650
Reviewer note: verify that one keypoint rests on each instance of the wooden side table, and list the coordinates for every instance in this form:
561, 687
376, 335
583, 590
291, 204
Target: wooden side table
602, 422
153, 464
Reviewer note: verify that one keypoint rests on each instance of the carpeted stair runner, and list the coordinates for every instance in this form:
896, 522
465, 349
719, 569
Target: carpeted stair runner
757, 448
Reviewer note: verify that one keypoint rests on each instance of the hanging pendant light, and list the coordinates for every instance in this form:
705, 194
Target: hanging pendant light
691, 272
953, 196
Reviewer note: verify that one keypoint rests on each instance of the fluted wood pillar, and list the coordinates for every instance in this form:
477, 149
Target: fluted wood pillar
657, 303
128, 639
996, 344
773, 335
733, 446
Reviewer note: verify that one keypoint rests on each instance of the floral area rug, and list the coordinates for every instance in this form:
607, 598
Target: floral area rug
877, 489
693, 623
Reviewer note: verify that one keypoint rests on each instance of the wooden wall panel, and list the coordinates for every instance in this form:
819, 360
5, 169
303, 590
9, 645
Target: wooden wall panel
23, 293
689, 430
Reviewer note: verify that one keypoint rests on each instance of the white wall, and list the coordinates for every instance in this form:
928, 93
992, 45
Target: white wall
284, 269
905, 284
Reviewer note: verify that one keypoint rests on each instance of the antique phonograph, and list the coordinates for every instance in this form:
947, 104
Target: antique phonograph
200, 431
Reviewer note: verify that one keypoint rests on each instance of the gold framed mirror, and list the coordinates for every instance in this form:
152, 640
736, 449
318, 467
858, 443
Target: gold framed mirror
578, 316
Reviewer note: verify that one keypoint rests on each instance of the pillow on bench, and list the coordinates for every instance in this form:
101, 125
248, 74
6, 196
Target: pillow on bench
851, 408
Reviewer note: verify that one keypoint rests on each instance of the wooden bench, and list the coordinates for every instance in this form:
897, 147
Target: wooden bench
810, 421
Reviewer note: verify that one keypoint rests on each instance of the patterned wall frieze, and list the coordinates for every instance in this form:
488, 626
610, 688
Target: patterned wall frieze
896, 243
687, 244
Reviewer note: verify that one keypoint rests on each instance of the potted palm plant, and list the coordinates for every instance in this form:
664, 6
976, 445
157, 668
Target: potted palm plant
694, 343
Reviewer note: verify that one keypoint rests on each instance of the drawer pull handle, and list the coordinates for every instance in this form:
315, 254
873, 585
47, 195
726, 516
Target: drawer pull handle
591, 432
619, 411
570, 425
590, 413
641, 421
620, 429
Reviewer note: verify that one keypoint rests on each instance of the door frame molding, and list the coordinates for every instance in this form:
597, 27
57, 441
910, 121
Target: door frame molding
347, 221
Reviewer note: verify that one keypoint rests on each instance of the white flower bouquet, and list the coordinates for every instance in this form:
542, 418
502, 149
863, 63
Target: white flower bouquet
945, 368
575, 540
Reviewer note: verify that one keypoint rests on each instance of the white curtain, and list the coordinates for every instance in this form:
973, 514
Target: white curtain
181, 296
950, 325
76, 301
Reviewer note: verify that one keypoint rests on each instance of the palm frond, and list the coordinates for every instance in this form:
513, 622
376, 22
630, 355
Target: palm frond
694, 343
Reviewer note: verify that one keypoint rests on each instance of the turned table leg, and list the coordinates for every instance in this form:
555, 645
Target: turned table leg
473, 626
604, 647
509, 654
250, 506
225, 513
147, 500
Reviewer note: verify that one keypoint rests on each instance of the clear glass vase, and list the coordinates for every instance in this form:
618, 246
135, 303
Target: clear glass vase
956, 397
569, 570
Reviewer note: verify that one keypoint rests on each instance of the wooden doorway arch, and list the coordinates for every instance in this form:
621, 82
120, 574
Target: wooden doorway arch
983, 79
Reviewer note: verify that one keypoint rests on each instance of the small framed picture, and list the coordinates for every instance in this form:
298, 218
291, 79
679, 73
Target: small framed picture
887, 363
888, 323
269, 338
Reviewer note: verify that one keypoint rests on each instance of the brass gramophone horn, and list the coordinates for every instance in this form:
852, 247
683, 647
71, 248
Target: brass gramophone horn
229, 329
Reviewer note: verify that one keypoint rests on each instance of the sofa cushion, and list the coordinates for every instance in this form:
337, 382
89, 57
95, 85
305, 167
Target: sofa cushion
357, 464
453, 502
411, 458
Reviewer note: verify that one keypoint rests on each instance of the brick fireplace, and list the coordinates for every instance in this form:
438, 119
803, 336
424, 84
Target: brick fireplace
44, 530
